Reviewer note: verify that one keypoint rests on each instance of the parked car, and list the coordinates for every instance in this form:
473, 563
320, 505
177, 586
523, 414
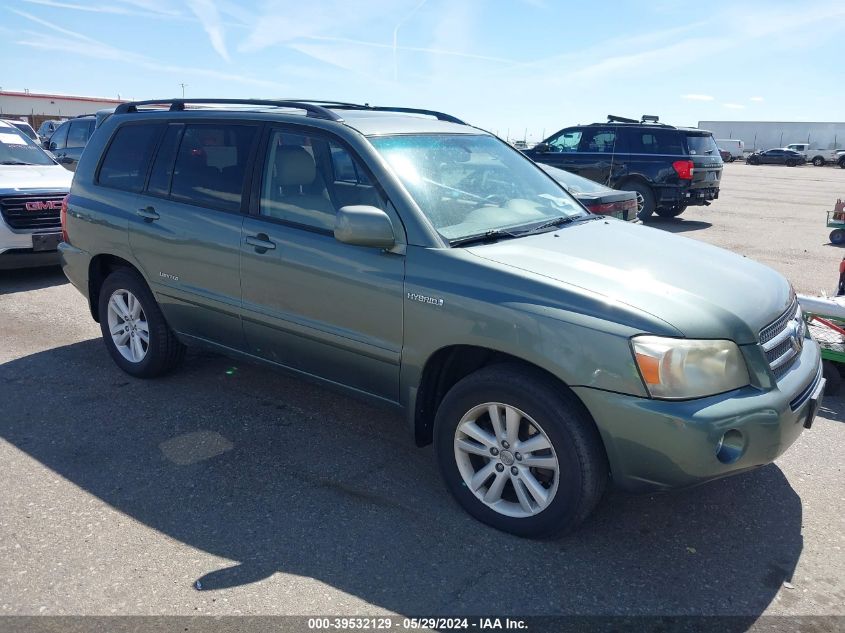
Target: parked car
24, 127
69, 139
818, 157
542, 349
597, 198
32, 187
776, 156
733, 146
46, 129
670, 167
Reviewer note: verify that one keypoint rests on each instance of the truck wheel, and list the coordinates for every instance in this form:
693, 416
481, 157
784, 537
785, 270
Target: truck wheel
833, 377
837, 236
671, 213
134, 330
842, 163
818, 161
645, 197
519, 453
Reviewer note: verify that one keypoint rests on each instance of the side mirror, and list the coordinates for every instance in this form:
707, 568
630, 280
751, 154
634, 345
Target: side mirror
363, 225
542, 148
51, 145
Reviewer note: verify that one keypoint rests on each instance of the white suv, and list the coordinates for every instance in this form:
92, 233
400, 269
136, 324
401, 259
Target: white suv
32, 187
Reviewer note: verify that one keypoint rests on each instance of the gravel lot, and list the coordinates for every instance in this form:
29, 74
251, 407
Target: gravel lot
279, 497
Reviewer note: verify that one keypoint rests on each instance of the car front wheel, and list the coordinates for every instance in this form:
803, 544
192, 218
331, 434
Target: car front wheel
134, 330
518, 453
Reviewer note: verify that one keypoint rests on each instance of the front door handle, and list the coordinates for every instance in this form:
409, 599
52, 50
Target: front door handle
148, 213
261, 242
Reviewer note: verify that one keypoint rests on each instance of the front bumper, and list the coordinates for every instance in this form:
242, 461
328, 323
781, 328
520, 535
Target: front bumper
658, 444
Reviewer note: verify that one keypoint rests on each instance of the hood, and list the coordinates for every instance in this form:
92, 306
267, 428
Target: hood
19, 178
700, 290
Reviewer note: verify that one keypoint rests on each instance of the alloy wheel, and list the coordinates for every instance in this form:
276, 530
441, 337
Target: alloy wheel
506, 460
128, 326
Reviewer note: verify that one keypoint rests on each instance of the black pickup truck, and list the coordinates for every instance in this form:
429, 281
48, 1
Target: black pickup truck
670, 167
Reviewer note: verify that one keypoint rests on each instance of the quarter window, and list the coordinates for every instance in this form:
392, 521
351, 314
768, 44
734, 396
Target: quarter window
125, 163
211, 165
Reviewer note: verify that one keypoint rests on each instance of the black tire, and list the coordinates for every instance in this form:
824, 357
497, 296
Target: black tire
842, 163
731, 159
752, 160
647, 196
791, 163
833, 377
671, 213
582, 462
818, 161
837, 236
164, 351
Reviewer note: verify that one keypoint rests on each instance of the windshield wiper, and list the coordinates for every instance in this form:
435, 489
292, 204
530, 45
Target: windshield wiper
14, 162
487, 236
564, 219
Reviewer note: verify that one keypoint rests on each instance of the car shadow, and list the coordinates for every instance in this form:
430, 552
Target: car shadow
284, 476
833, 406
677, 225
23, 280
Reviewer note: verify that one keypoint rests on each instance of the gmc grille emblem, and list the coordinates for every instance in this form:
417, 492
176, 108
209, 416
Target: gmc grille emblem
44, 205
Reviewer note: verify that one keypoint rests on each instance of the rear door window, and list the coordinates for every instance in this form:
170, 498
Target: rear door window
211, 165
78, 134
162, 171
128, 156
598, 140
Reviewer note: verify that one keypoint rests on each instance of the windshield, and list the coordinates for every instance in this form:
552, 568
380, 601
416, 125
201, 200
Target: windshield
18, 149
702, 145
471, 185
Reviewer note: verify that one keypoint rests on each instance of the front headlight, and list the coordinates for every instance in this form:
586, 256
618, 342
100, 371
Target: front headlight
680, 368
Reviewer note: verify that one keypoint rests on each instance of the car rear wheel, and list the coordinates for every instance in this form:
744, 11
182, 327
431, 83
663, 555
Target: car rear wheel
645, 198
791, 163
818, 161
134, 330
731, 159
842, 163
519, 454
837, 236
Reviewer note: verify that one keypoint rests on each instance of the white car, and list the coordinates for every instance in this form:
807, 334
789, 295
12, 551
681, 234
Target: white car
32, 187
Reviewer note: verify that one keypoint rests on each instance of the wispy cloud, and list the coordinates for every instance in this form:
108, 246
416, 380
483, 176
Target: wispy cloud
697, 97
733, 106
208, 15
78, 44
756, 99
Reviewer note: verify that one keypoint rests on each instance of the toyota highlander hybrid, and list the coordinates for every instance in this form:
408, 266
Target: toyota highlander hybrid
411, 258
32, 186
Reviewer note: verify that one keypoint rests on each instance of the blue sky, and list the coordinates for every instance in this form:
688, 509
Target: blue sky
506, 65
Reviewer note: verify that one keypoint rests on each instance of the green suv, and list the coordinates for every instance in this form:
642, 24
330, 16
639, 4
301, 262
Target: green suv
408, 257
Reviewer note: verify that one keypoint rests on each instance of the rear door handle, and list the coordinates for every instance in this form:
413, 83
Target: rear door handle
261, 242
148, 213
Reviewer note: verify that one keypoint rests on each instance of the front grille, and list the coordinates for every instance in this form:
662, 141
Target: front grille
18, 216
783, 339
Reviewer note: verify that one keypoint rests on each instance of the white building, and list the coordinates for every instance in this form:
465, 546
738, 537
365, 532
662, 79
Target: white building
36, 108
769, 134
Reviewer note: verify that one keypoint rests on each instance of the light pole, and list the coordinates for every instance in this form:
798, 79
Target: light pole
183, 89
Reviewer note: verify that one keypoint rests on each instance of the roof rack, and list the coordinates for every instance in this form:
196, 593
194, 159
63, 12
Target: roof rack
612, 118
342, 105
312, 109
